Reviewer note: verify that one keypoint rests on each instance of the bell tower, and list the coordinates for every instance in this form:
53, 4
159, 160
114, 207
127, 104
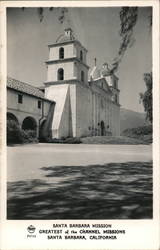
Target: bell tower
67, 60
67, 72
112, 80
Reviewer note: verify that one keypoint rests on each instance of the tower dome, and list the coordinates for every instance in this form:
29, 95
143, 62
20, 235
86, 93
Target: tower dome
67, 36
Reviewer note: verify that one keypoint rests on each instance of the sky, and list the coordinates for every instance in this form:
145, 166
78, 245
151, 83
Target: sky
96, 28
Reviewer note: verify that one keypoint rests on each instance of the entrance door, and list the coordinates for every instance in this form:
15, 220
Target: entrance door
102, 128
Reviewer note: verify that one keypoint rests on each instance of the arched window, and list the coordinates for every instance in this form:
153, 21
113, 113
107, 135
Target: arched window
81, 55
60, 74
82, 76
61, 53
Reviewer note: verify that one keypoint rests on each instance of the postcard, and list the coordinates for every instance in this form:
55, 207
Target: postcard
80, 125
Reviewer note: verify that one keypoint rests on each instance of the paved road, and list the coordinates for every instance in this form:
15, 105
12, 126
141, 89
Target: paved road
25, 162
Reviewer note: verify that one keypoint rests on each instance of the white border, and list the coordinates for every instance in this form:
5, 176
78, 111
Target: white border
141, 234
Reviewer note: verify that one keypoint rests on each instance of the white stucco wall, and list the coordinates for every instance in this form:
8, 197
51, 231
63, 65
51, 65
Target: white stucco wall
60, 122
64, 120
83, 110
80, 110
77, 49
101, 108
65, 124
73, 109
68, 67
80, 67
93, 107
72, 70
29, 107
68, 51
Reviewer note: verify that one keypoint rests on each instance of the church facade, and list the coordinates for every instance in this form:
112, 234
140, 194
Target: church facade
84, 107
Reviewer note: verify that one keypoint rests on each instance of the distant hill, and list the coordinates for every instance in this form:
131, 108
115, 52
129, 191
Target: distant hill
131, 119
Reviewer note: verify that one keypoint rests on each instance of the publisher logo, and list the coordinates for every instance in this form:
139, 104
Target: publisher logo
31, 229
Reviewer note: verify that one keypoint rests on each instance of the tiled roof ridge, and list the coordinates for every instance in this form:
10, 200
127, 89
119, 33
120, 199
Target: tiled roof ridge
25, 88
13, 79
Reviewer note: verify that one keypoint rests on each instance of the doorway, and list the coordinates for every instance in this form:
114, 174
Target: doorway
102, 128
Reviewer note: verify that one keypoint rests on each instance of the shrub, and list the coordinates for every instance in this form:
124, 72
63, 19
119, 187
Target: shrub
143, 130
14, 133
68, 140
144, 133
17, 135
29, 136
73, 140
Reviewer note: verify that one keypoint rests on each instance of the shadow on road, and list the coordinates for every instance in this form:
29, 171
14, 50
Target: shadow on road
110, 191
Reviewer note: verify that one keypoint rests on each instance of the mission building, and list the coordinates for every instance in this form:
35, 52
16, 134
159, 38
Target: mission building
71, 103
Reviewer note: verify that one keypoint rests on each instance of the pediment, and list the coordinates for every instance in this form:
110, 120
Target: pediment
103, 84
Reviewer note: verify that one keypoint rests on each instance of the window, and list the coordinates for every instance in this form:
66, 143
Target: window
20, 98
60, 74
39, 104
116, 99
81, 55
115, 83
61, 53
102, 85
82, 76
